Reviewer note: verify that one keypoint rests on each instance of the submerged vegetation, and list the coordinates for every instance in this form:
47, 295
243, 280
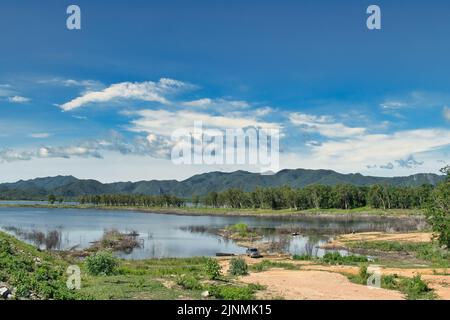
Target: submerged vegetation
115, 240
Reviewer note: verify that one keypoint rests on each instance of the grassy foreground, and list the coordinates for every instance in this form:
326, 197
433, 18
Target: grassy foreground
33, 274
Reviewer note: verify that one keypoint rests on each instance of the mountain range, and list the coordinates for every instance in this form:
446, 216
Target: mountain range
201, 184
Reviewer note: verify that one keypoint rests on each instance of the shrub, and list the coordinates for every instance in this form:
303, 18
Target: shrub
302, 257
415, 288
232, 293
337, 258
267, 264
212, 269
189, 283
102, 263
5, 247
389, 282
239, 227
238, 267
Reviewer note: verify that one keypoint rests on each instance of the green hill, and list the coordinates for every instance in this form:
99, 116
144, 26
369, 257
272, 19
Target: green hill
69, 186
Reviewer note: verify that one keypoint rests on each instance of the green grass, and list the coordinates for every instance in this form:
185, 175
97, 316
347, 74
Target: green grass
428, 252
333, 258
171, 278
32, 272
267, 264
414, 288
336, 258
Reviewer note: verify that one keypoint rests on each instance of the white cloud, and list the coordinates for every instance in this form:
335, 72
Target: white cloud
392, 105
382, 148
40, 135
145, 91
88, 85
218, 104
18, 99
446, 113
324, 125
151, 146
163, 122
202, 103
5, 90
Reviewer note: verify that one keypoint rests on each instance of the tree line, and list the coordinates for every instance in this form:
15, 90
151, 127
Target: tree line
341, 196
132, 200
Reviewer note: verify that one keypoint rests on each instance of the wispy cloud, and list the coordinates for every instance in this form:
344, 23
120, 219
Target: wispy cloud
392, 105
324, 125
151, 145
6, 90
219, 103
409, 162
145, 91
19, 99
388, 166
39, 135
446, 113
86, 84
382, 148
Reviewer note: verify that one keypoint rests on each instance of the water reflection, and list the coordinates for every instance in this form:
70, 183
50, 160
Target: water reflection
178, 236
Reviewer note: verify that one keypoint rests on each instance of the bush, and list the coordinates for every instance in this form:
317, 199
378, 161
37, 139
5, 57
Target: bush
302, 257
102, 263
5, 247
238, 267
189, 283
267, 264
232, 293
212, 269
337, 258
415, 288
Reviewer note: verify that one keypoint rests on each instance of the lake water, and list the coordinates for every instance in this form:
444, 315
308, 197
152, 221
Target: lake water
163, 235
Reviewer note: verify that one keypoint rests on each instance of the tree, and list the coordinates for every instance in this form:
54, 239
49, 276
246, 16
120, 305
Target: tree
195, 200
438, 211
51, 199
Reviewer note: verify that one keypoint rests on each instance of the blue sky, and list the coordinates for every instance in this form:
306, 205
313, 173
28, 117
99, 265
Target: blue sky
101, 102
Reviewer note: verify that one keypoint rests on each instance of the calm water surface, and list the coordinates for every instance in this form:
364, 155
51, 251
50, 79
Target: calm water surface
163, 235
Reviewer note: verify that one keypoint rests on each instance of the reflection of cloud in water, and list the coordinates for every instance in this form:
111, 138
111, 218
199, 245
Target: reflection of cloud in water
184, 236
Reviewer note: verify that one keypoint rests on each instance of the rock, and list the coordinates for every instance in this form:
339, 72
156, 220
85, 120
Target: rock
205, 294
4, 292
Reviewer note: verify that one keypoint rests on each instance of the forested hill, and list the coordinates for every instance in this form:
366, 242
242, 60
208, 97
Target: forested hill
201, 184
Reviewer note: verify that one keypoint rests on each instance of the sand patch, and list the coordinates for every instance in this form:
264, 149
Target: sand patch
315, 285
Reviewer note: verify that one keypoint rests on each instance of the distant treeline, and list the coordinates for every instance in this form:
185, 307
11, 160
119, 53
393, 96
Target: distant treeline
133, 200
342, 196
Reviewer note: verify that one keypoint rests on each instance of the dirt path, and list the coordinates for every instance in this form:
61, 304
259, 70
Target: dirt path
315, 285
316, 281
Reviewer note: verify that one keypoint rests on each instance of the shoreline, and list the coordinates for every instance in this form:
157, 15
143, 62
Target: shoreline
361, 214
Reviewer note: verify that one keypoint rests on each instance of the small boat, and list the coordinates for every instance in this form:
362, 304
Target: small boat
295, 233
